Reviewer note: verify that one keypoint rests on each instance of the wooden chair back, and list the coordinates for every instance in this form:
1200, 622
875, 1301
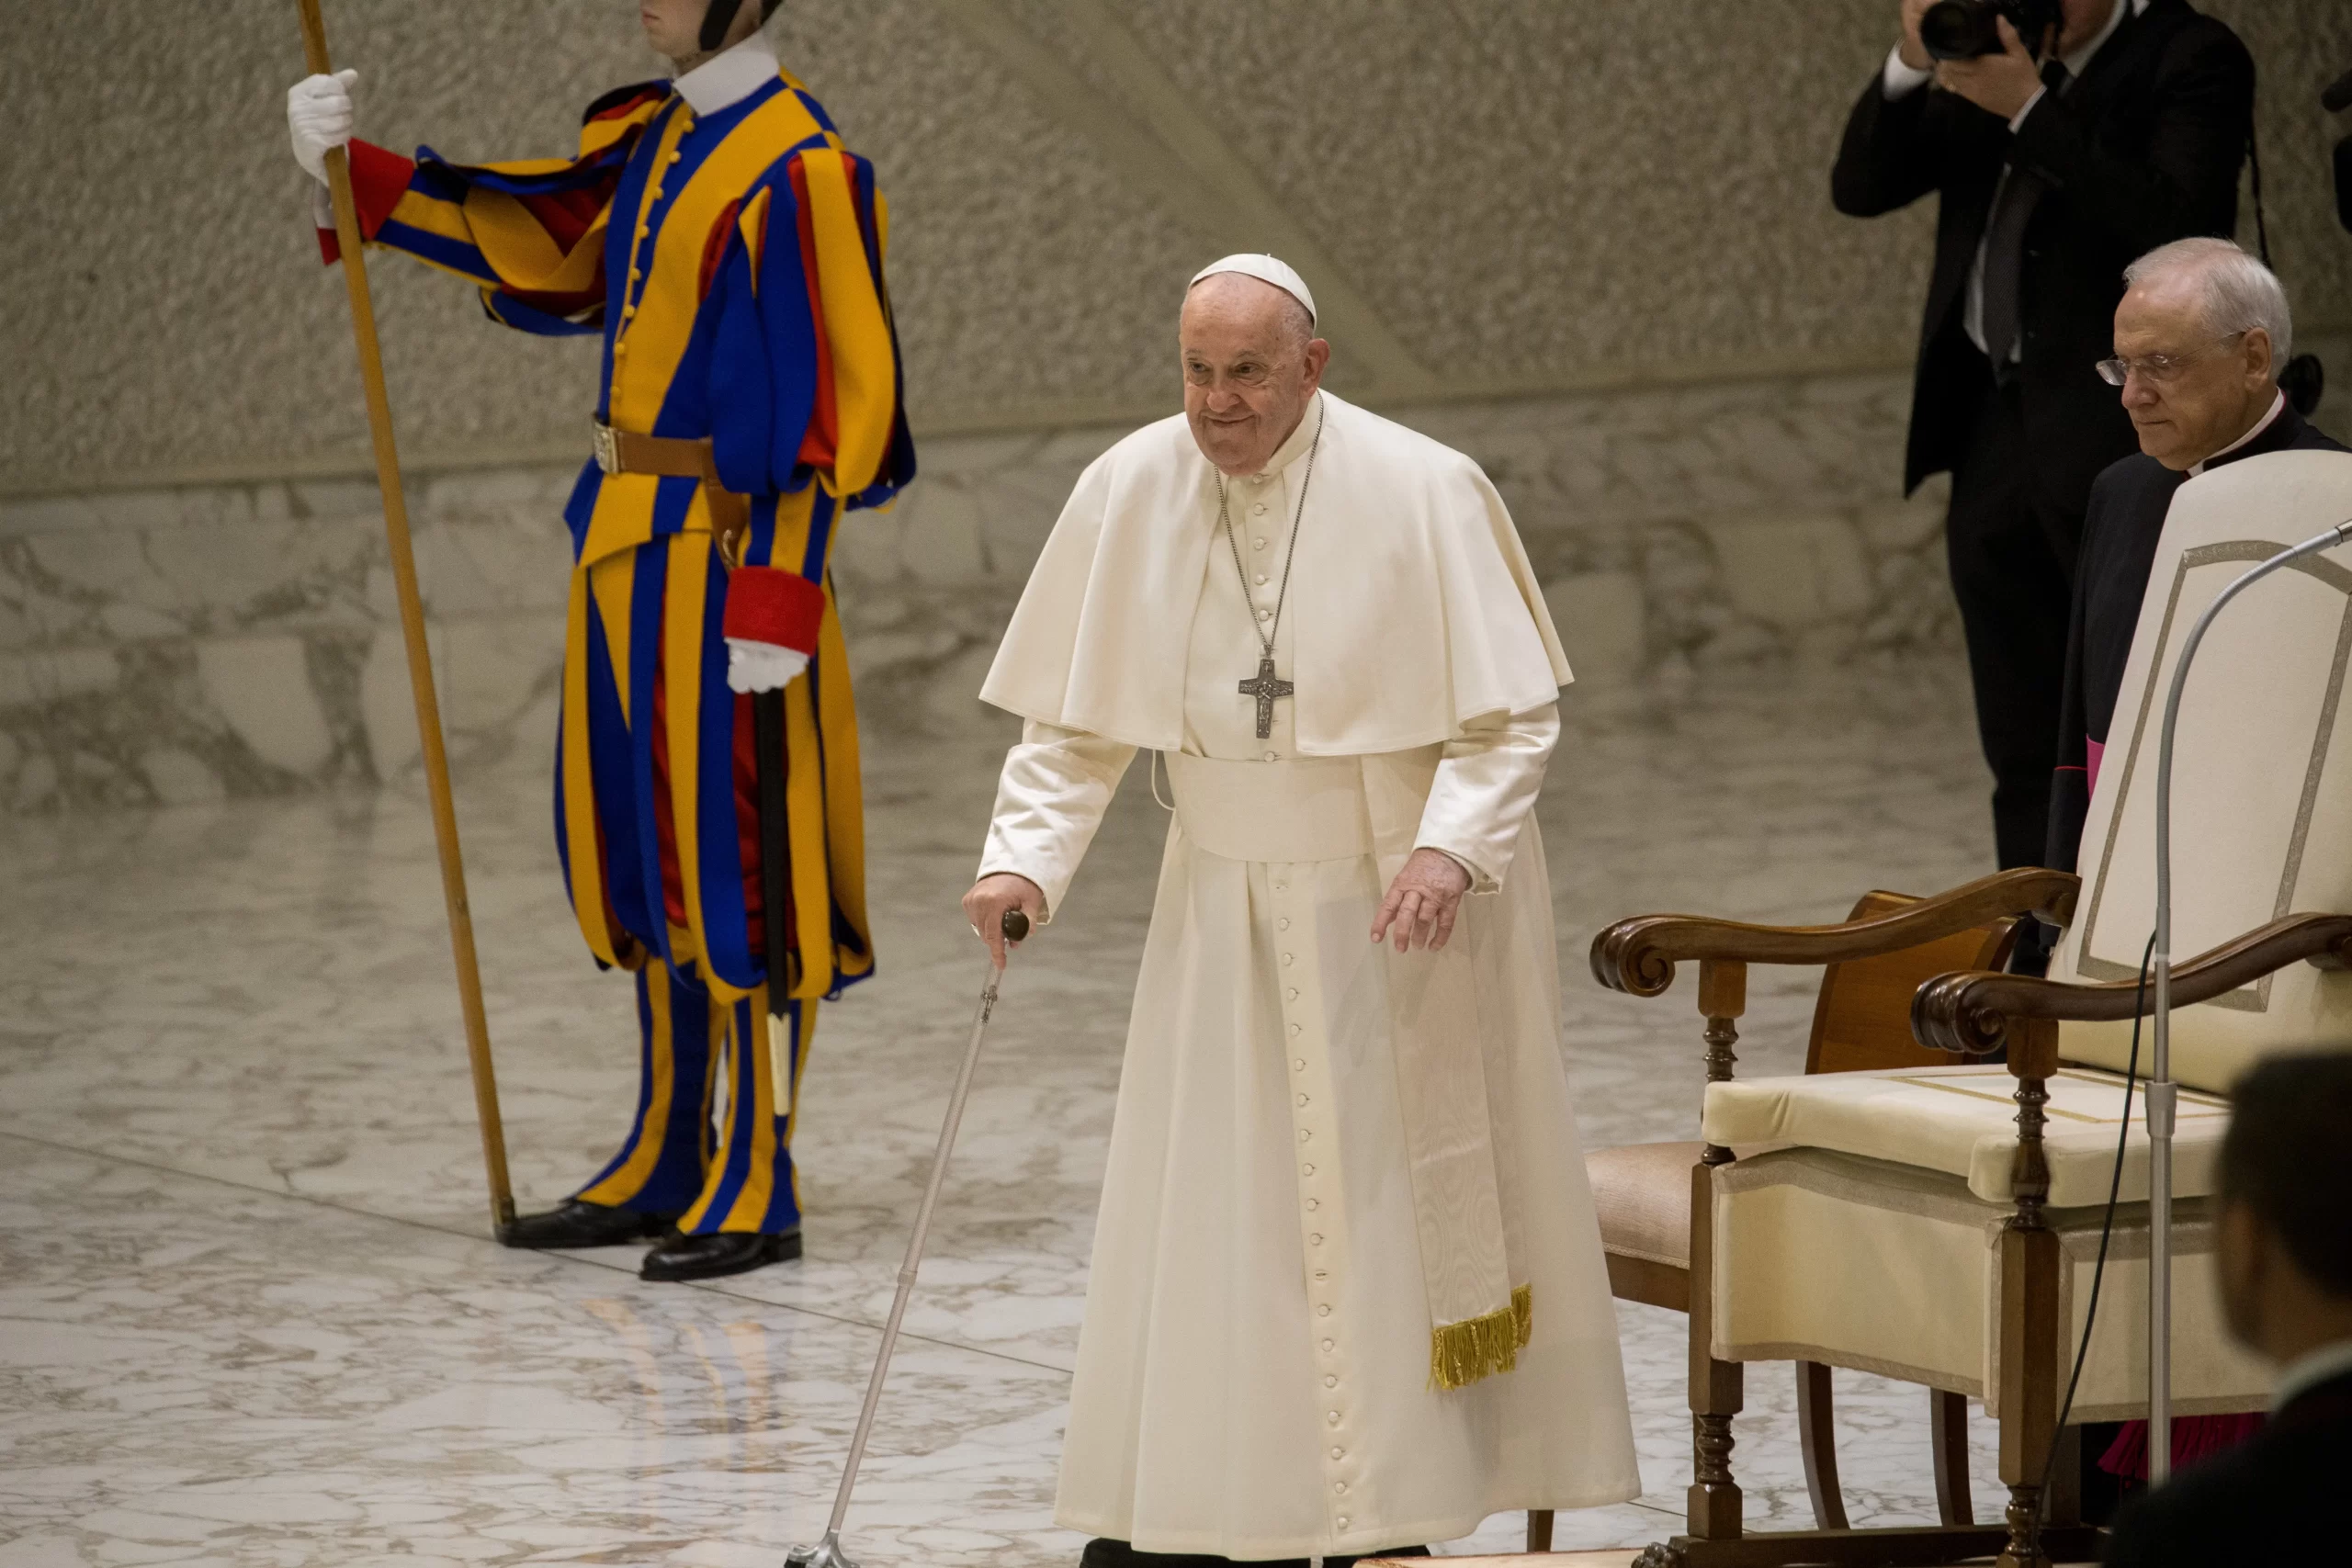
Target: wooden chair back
1862, 1018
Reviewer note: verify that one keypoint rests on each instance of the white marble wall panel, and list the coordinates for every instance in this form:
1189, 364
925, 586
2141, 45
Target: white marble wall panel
161, 647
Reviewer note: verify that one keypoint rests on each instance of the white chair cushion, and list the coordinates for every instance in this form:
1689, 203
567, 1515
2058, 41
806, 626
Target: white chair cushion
1962, 1122
2262, 769
1891, 1270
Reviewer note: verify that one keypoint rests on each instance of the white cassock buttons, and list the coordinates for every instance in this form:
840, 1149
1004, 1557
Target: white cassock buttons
1302, 1102
1259, 510
1338, 1486
1338, 1453
1329, 1382
1289, 959
1261, 579
1270, 757
1299, 1066
1332, 1416
1341, 1521
1304, 1134
1306, 1170
1265, 614
1257, 544
1283, 925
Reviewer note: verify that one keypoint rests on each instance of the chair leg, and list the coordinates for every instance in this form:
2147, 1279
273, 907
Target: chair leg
1711, 1507
1948, 1429
1817, 1436
2030, 1337
1539, 1529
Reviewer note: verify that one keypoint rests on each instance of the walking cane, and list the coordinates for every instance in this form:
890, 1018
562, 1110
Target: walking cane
827, 1552
420, 656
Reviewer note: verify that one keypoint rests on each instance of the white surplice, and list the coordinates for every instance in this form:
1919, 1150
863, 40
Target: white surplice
1254, 1370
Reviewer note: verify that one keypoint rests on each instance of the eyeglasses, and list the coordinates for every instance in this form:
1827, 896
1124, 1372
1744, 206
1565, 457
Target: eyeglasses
2158, 368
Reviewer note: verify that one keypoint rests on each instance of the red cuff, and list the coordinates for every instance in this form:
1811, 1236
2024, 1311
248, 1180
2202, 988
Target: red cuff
379, 177
766, 603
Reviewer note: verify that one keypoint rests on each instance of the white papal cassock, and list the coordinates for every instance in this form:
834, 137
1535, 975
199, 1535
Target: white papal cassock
1282, 1231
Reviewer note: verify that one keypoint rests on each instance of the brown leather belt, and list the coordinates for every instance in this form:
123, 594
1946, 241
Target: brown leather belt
669, 456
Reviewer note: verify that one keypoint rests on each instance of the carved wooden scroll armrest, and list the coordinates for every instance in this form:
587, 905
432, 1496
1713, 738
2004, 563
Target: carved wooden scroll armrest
1638, 955
1971, 1013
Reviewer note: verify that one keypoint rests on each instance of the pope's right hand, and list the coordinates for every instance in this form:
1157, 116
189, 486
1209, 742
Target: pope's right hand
319, 114
990, 897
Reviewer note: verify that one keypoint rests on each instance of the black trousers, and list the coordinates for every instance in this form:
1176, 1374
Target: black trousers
2012, 553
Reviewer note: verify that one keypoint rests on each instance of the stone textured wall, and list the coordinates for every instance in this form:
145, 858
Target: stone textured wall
1520, 194
172, 644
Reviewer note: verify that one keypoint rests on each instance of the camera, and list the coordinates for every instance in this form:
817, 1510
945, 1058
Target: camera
1962, 29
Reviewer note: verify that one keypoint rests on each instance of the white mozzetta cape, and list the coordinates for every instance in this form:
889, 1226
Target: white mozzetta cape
1099, 642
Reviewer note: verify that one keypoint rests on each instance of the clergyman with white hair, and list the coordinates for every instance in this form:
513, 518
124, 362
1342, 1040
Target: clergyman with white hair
1347, 1293
2200, 340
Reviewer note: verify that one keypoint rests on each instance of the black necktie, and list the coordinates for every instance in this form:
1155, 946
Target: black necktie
2005, 248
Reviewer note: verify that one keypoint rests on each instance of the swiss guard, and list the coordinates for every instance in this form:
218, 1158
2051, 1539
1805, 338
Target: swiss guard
727, 250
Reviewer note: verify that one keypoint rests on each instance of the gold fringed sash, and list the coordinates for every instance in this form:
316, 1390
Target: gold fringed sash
1462, 1353
1455, 1099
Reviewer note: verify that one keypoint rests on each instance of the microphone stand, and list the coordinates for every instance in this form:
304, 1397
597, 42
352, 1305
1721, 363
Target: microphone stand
2163, 1094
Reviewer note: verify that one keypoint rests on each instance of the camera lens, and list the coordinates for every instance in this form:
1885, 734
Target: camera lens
1960, 30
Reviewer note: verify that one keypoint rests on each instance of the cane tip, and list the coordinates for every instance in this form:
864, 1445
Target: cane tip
1016, 925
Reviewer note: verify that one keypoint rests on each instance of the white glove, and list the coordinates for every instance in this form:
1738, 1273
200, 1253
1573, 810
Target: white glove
761, 666
319, 116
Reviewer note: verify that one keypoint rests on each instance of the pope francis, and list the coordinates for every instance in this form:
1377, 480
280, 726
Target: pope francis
1347, 1293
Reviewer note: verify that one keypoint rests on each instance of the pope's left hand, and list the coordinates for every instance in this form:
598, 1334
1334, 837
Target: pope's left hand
1998, 84
1423, 901
761, 666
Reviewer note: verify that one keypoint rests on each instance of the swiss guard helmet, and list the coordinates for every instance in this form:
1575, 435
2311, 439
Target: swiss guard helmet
721, 16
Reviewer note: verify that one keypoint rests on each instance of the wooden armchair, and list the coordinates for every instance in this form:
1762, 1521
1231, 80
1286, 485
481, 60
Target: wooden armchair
1970, 1014
1643, 1191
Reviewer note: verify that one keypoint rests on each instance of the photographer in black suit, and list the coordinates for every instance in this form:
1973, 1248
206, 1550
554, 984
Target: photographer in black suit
2053, 173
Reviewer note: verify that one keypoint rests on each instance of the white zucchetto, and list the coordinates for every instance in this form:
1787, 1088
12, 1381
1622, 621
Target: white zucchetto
1265, 269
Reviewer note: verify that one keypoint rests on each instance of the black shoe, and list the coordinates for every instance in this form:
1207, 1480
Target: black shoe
574, 1223
1119, 1554
709, 1256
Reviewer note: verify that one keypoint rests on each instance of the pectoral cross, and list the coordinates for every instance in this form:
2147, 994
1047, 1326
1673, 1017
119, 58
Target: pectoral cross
1265, 688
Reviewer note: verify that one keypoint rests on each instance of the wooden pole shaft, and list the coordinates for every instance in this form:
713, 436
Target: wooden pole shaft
420, 655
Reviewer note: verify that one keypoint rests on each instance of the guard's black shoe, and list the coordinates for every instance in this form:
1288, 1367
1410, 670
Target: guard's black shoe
711, 1257
574, 1223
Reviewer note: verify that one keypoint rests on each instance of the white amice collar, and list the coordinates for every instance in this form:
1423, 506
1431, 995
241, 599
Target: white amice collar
1295, 444
727, 78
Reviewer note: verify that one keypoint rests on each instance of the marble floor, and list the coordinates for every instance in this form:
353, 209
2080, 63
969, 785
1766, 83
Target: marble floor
248, 1313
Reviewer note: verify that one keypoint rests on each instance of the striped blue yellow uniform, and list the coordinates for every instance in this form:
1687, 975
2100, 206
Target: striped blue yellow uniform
731, 262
